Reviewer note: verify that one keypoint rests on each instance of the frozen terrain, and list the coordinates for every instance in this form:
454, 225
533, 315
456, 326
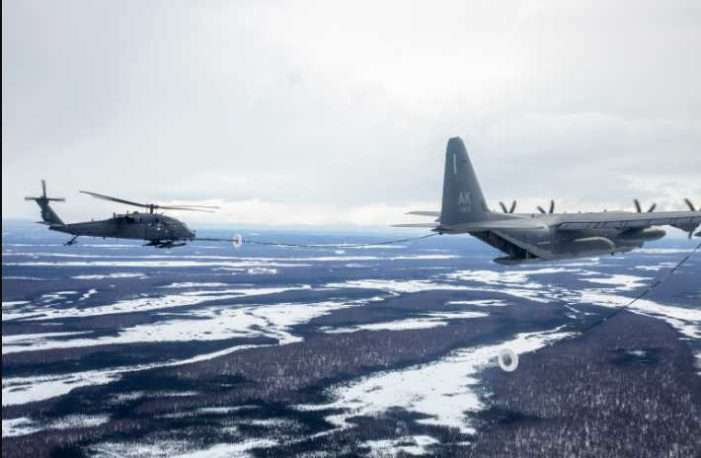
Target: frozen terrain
114, 349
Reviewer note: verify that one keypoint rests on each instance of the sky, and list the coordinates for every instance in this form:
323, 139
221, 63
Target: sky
338, 113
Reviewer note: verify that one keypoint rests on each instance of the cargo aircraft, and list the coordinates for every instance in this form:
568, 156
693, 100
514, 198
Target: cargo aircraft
543, 235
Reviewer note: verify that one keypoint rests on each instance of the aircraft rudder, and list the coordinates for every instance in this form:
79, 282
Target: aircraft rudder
463, 201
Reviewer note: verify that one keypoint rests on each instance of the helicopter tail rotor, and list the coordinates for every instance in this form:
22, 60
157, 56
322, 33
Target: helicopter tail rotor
48, 215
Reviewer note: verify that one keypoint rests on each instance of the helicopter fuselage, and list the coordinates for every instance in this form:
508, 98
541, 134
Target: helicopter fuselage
151, 227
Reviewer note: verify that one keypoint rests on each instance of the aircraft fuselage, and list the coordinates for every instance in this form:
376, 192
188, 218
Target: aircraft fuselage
138, 226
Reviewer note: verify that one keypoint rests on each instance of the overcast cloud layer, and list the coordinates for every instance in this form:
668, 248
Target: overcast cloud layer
339, 112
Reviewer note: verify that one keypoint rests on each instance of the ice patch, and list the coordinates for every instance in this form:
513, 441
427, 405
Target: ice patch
209, 323
432, 320
656, 267
182, 263
21, 390
444, 390
685, 320
225, 410
416, 286
411, 445
116, 275
228, 262
492, 277
622, 282
18, 427
660, 251
396, 286
10, 304
216, 323
196, 285
481, 303
79, 421
145, 304
177, 449
33, 340
261, 271
127, 397
57, 296
87, 295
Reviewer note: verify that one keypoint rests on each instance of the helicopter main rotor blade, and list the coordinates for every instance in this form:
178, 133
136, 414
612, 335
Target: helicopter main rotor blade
115, 199
195, 207
185, 208
152, 207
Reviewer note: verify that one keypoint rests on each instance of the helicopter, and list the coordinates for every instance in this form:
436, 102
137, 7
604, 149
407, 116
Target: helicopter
157, 229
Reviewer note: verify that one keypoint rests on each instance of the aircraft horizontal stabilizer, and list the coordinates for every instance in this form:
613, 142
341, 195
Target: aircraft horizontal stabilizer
435, 214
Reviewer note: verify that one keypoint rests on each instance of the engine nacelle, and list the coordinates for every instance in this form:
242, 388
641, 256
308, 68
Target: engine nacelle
589, 244
643, 235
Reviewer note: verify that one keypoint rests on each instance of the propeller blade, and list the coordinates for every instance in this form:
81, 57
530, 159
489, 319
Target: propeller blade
690, 205
552, 207
542, 210
513, 206
43, 188
503, 207
638, 207
652, 208
115, 199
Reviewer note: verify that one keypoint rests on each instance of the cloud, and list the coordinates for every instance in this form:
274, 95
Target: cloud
337, 111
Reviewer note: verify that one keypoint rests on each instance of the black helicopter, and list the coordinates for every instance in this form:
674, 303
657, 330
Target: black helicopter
156, 229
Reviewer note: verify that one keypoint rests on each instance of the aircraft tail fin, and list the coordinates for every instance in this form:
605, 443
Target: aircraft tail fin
48, 215
463, 201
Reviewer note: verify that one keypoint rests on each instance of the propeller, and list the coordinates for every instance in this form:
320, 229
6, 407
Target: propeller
154, 207
551, 209
506, 209
639, 207
693, 209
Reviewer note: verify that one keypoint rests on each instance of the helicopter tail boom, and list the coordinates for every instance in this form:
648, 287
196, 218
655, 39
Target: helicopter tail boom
48, 215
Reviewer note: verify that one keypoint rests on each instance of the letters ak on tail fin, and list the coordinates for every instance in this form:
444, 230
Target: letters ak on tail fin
463, 201
48, 215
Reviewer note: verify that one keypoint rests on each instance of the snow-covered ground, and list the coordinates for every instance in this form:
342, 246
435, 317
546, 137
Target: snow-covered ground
444, 390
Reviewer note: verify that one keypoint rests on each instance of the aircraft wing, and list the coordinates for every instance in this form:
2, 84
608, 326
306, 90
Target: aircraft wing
484, 226
417, 225
684, 220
